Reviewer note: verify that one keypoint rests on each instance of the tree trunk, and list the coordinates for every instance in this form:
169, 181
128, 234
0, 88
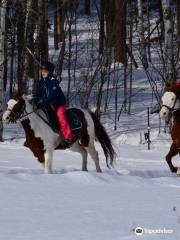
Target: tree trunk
170, 73
130, 5
12, 63
178, 21
109, 18
101, 31
25, 54
87, 7
2, 58
42, 31
141, 35
120, 31
58, 23
161, 18
20, 14
149, 31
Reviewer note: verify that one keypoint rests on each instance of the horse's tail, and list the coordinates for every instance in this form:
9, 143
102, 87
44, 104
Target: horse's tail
104, 140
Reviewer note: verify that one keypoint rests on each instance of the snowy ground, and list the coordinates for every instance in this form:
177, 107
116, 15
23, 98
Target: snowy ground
73, 205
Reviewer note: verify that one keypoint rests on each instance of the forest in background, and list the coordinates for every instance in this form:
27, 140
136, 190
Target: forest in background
124, 35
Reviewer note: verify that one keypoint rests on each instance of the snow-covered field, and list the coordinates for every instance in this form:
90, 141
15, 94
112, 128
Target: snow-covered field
75, 205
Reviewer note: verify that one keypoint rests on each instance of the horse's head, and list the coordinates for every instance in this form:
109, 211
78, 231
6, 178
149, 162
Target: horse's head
15, 108
170, 102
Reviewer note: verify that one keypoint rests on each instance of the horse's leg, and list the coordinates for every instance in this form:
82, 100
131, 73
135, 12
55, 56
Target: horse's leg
77, 148
95, 156
48, 156
173, 152
43, 164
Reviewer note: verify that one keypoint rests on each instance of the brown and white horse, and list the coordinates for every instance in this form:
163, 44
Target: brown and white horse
42, 140
170, 110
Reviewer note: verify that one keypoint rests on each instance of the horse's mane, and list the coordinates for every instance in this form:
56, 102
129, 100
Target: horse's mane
175, 88
17, 95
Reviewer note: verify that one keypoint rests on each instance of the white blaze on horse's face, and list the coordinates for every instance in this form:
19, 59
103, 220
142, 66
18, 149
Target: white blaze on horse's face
168, 102
10, 105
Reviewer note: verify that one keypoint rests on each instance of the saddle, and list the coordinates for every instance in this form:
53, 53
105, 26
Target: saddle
74, 122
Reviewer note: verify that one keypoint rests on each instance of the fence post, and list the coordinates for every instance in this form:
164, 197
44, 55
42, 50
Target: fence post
149, 141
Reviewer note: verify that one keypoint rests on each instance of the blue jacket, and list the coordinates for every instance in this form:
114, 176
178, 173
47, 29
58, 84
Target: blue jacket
49, 93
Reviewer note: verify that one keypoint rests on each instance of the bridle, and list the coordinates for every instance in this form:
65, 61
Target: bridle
22, 116
16, 115
171, 109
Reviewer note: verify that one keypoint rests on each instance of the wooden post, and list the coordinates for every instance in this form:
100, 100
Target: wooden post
149, 141
2, 37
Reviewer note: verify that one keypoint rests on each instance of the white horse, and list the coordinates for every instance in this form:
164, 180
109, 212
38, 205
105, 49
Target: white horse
170, 104
42, 140
170, 110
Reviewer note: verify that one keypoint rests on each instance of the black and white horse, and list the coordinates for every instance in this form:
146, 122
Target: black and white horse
42, 140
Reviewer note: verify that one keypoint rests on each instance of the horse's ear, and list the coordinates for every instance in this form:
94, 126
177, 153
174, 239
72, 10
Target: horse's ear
168, 85
17, 95
175, 88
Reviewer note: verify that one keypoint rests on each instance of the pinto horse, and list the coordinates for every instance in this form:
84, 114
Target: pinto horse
42, 140
170, 109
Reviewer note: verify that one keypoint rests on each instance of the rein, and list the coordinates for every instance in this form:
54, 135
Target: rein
19, 118
34, 111
27, 114
22, 116
171, 109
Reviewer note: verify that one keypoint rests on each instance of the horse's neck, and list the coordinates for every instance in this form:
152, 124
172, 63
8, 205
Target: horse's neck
37, 120
26, 125
177, 105
29, 107
34, 114
25, 120
176, 116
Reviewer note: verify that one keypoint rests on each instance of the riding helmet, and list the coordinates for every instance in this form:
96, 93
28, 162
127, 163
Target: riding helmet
47, 66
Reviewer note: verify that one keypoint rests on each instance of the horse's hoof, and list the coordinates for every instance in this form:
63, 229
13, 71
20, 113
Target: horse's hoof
48, 172
84, 170
174, 170
178, 172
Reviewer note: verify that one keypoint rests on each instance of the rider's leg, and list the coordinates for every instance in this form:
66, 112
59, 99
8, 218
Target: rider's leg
64, 124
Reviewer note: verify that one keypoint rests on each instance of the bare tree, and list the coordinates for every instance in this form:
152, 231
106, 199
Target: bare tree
120, 31
109, 10
42, 31
160, 11
141, 35
28, 43
2, 34
20, 13
178, 20
87, 7
58, 22
170, 73
101, 30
